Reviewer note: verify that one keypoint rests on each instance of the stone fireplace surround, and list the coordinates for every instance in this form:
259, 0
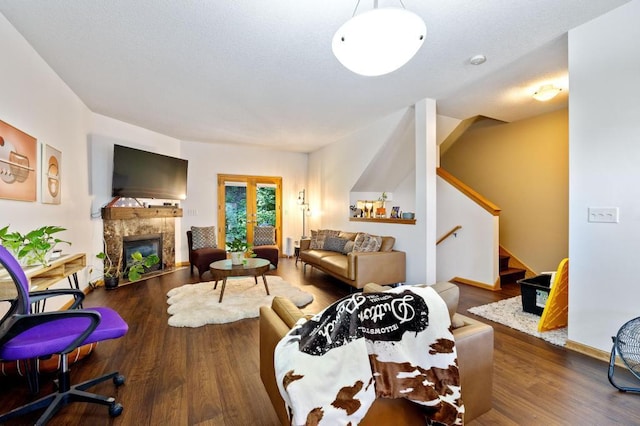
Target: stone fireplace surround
119, 222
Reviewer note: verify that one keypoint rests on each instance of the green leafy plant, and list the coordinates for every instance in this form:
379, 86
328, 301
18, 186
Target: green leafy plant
134, 272
238, 245
140, 265
33, 247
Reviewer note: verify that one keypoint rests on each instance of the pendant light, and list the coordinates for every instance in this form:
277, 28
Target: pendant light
379, 41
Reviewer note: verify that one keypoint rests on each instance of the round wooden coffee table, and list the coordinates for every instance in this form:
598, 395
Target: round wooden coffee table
252, 267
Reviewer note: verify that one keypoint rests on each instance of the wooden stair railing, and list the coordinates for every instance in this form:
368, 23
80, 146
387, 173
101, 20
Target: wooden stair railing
448, 234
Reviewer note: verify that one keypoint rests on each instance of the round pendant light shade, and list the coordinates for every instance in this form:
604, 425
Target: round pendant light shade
379, 41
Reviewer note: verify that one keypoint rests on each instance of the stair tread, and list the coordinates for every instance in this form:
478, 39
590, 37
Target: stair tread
512, 271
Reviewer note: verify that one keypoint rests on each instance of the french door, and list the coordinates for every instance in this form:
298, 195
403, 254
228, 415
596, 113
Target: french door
245, 202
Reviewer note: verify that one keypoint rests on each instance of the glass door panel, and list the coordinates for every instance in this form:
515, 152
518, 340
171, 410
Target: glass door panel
235, 206
245, 202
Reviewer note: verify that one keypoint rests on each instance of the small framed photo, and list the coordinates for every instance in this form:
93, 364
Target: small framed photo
395, 212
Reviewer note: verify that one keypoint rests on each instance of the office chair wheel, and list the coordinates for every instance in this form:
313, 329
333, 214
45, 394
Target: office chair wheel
118, 380
115, 409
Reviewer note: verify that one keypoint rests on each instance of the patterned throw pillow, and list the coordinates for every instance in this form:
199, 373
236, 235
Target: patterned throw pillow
264, 236
348, 247
335, 244
318, 237
367, 243
204, 237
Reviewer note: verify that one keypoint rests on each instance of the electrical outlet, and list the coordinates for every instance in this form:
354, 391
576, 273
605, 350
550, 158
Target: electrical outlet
603, 215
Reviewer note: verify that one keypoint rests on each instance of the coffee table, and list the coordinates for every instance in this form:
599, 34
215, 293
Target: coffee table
223, 269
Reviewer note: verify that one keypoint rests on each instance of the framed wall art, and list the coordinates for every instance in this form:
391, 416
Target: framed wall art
51, 175
18, 167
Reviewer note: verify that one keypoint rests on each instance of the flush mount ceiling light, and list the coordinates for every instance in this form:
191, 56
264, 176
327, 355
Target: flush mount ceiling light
379, 41
546, 92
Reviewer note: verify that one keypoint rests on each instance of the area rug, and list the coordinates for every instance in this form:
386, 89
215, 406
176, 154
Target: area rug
509, 312
195, 305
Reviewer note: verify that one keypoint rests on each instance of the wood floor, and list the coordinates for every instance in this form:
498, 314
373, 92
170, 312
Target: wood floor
210, 375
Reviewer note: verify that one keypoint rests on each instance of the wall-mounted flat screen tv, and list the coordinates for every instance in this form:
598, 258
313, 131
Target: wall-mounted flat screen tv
143, 174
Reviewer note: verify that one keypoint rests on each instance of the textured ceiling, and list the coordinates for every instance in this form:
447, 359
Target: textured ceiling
262, 72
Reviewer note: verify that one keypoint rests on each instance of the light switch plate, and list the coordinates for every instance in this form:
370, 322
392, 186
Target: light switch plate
603, 215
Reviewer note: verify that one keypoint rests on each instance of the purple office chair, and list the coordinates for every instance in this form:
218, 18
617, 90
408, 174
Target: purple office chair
27, 336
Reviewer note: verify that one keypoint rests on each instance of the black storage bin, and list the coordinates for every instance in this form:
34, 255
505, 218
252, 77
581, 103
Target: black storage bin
535, 292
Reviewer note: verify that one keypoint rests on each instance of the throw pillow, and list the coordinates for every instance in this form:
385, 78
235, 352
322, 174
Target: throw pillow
348, 248
203, 237
335, 244
264, 236
367, 243
318, 237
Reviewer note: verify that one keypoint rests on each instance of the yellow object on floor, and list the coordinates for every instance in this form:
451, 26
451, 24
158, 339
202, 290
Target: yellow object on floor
556, 311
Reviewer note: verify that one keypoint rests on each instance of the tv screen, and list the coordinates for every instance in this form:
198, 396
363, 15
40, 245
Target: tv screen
143, 174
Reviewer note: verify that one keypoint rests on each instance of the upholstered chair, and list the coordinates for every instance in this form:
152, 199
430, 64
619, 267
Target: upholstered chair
203, 249
265, 244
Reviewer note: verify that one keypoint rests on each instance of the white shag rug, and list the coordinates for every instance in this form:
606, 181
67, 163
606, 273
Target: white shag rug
195, 305
509, 312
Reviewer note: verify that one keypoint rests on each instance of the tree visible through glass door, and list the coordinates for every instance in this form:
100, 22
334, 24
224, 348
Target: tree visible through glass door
248, 201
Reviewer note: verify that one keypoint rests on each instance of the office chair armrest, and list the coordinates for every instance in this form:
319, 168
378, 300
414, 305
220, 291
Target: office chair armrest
78, 295
20, 323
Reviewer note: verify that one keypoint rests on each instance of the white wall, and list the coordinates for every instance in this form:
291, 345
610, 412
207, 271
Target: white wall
604, 127
473, 253
334, 169
206, 161
35, 100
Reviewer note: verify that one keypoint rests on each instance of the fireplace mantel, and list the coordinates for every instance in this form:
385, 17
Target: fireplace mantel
128, 213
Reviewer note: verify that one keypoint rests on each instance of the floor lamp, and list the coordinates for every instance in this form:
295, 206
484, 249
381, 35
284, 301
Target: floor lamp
302, 202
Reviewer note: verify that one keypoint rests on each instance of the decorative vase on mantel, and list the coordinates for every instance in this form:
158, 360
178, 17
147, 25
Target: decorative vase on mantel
237, 257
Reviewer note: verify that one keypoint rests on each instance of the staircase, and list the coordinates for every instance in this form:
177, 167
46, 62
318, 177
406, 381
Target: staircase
509, 275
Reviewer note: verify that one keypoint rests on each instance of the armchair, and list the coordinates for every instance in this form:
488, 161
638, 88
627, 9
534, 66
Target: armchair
27, 336
265, 244
201, 258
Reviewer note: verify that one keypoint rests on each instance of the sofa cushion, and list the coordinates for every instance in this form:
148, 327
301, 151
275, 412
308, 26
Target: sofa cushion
367, 243
318, 237
348, 235
203, 237
348, 247
338, 264
314, 256
387, 243
335, 244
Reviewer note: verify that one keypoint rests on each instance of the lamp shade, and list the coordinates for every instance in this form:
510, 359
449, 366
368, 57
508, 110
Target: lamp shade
379, 41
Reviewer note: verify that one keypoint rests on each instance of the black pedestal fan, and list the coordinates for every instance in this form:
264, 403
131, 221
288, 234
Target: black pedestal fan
626, 344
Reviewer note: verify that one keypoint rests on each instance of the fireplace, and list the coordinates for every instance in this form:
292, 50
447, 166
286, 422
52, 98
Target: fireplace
147, 244
120, 223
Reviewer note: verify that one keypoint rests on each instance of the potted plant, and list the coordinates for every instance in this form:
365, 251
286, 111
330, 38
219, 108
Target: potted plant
110, 272
34, 247
237, 248
139, 265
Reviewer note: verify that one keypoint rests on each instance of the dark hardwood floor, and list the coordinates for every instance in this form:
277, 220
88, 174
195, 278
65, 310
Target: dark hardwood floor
210, 375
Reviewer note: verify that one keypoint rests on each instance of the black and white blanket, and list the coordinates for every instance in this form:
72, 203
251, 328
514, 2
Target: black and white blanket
396, 344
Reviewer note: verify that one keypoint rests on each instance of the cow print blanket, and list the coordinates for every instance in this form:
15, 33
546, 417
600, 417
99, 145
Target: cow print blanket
396, 344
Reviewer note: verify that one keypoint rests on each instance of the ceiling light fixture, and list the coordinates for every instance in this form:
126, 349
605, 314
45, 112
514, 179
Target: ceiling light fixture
546, 92
477, 60
379, 41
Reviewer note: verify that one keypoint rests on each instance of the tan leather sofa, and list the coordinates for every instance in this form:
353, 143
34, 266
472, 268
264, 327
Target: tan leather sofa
386, 266
474, 345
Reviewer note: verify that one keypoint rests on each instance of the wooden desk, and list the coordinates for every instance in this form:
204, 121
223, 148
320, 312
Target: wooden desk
41, 278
